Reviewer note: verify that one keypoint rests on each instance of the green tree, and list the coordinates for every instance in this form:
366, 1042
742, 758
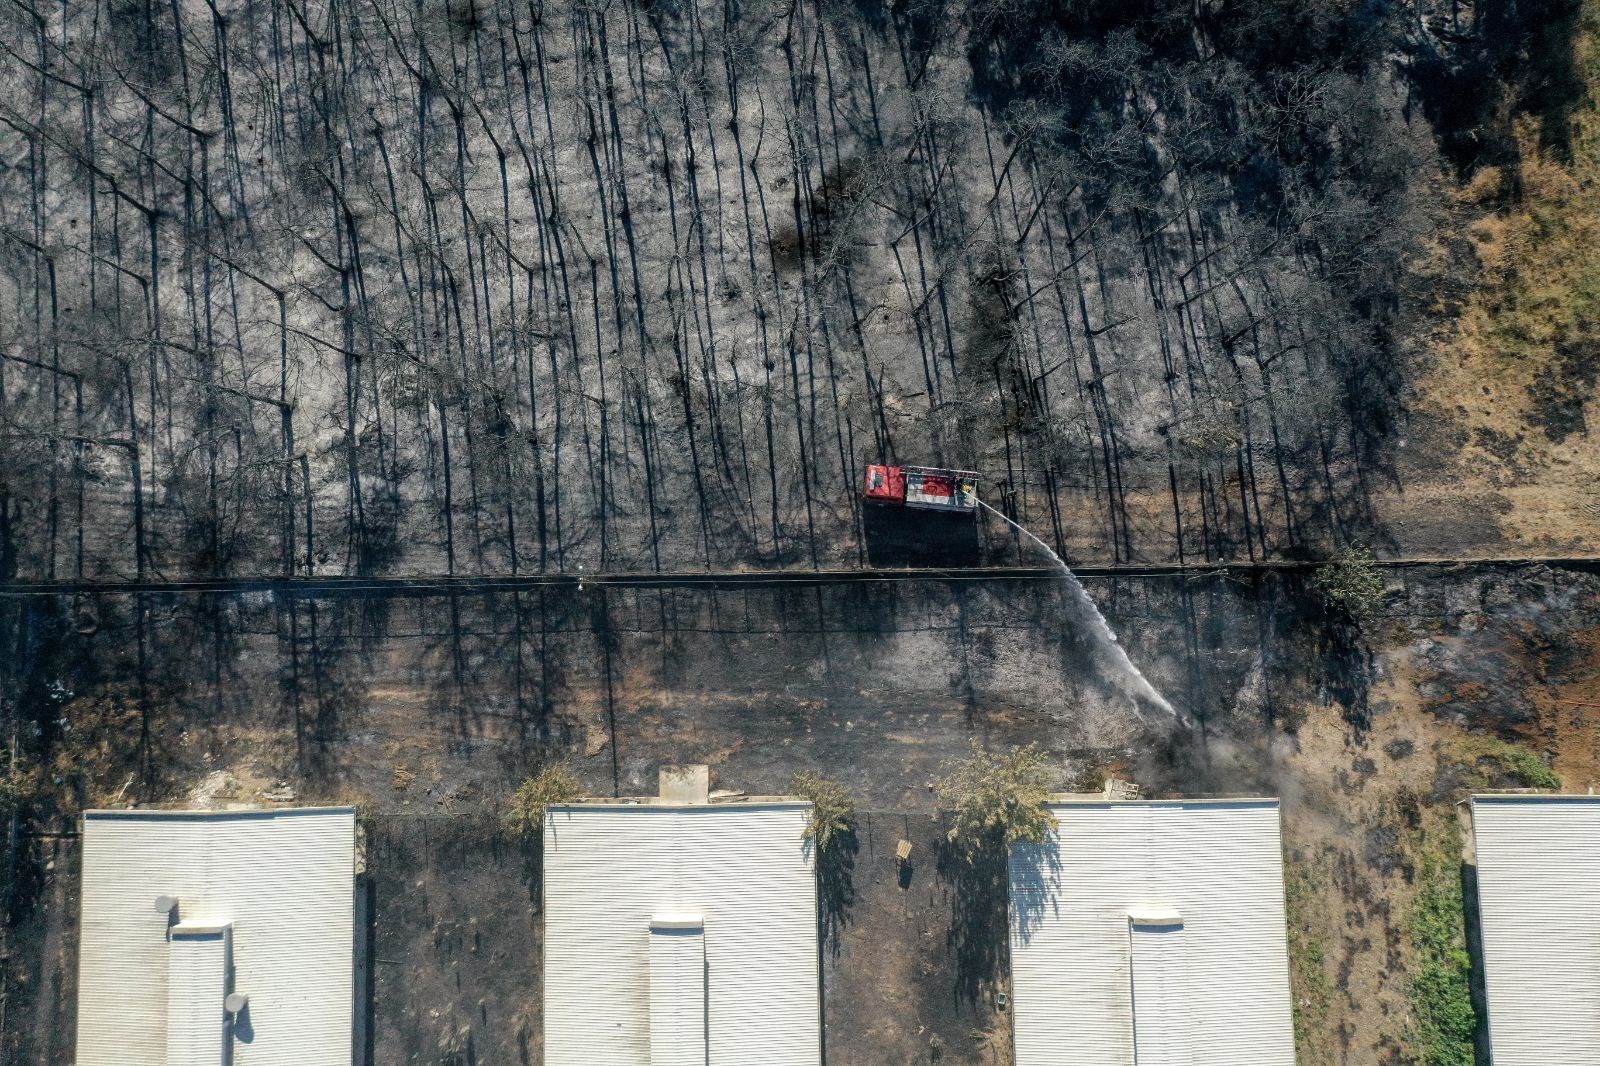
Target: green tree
554, 784
1351, 584
994, 800
997, 798
833, 809
831, 829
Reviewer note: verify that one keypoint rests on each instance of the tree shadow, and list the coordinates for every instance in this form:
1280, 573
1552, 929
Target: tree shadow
920, 26
320, 689
976, 877
836, 891
24, 872
1343, 666
1034, 882
1346, 665
1527, 47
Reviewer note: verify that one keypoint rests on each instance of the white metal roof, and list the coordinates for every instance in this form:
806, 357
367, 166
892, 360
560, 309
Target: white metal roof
1539, 911
279, 883
1152, 932
637, 895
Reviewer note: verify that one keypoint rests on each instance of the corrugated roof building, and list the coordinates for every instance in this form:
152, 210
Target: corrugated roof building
1152, 933
183, 909
680, 932
1538, 860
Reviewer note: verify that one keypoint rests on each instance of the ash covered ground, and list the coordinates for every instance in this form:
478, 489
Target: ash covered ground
426, 711
362, 288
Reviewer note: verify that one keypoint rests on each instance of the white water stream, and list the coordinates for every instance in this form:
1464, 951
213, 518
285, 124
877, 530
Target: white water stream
1132, 681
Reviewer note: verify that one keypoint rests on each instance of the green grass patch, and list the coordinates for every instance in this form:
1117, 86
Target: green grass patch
1308, 971
1526, 767
1441, 978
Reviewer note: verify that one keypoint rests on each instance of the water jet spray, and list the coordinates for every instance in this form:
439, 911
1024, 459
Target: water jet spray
1138, 686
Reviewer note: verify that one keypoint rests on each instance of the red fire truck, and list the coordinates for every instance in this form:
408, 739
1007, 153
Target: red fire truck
922, 486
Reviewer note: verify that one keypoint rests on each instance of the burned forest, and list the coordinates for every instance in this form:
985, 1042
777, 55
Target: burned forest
485, 288
466, 414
